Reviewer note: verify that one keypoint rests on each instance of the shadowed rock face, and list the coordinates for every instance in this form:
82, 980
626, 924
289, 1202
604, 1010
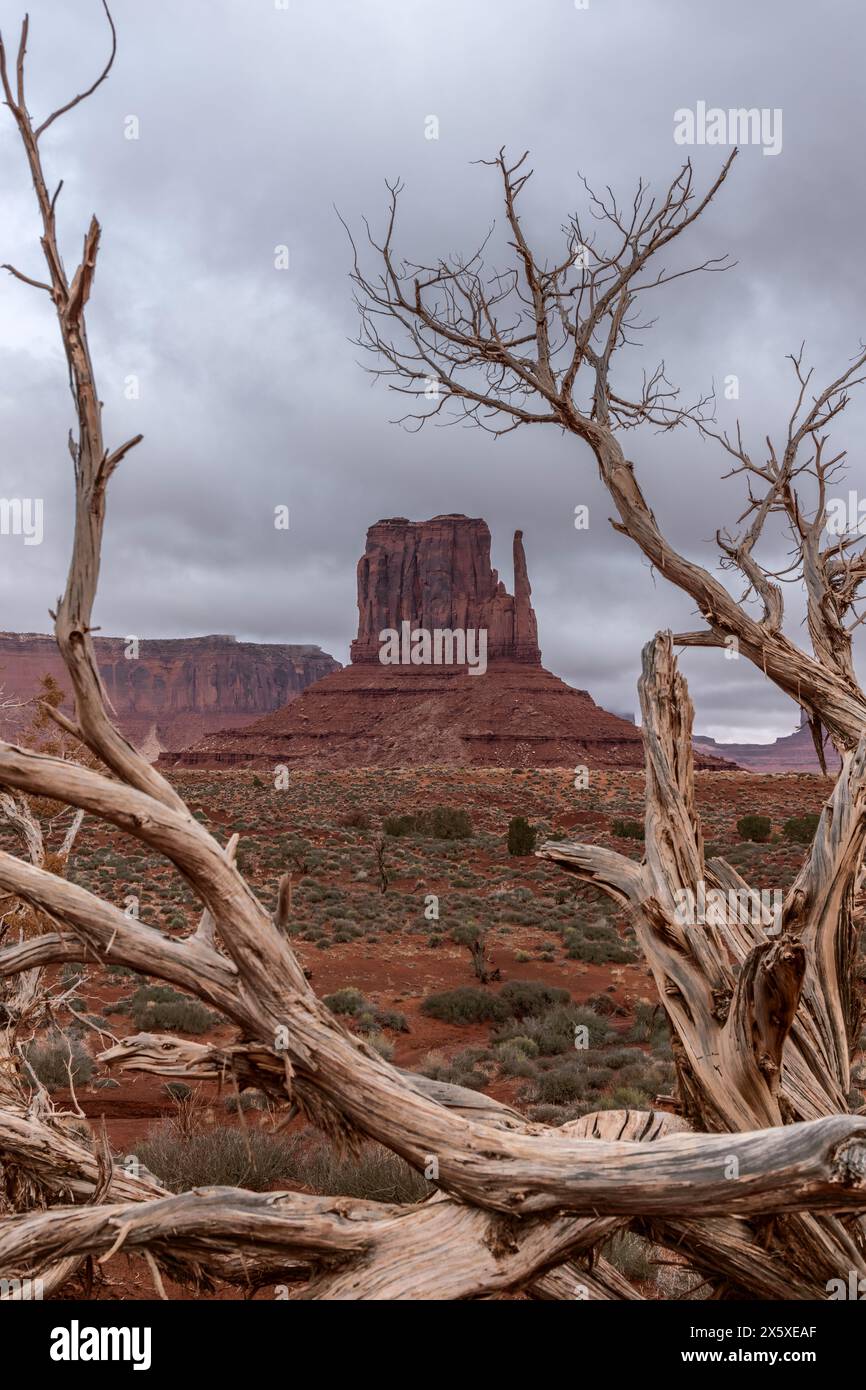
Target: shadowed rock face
437, 574
175, 690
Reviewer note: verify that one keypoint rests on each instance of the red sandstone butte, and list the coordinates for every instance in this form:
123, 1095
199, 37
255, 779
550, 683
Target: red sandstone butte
435, 574
176, 689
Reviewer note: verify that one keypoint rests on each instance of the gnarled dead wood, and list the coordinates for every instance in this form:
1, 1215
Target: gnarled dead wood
522, 1199
351, 1249
262, 1068
758, 1008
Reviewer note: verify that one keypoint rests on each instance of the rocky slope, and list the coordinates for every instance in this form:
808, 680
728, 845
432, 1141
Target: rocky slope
175, 690
364, 716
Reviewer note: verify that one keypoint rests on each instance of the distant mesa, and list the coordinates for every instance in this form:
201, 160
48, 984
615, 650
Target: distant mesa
434, 575
176, 689
790, 753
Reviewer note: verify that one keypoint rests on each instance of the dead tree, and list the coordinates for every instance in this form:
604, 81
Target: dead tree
763, 1023
474, 938
519, 1205
379, 849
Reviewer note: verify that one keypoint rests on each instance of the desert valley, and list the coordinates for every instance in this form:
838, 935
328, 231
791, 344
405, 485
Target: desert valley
432, 714
402, 805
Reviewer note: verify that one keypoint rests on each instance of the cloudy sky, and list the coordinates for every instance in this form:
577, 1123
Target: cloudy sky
254, 120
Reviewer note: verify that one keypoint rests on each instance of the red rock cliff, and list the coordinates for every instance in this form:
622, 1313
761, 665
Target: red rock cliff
437, 574
175, 689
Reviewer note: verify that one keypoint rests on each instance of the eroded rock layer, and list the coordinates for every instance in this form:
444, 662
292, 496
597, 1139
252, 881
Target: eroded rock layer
174, 690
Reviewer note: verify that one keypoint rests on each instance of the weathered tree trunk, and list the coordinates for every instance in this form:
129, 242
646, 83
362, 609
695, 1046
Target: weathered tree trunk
763, 1013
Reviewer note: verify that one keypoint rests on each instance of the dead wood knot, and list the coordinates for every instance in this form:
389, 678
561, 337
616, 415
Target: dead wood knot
501, 1239
848, 1162
721, 1004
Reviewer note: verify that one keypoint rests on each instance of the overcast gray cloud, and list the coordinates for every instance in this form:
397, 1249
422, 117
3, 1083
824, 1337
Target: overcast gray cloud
253, 122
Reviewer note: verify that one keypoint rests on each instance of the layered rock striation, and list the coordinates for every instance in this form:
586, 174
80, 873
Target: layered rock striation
437, 575
168, 692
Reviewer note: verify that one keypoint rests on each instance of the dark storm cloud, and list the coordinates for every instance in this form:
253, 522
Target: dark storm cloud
253, 122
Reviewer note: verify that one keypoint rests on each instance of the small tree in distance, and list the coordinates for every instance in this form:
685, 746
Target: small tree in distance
521, 836
756, 828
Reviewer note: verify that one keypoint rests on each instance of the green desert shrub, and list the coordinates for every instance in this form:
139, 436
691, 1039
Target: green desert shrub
463, 1069
351, 1003
801, 829
521, 836
154, 1007
553, 1032
383, 1045
623, 1057
528, 1047
393, 1019
465, 1005
560, 1086
529, 998
347, 1001
399, 825
630, 1097
599, 952
374, 1173
553, 1115
219, 1157
185, 1015
177, 1090
450, 823
439, 823
628, 829
557, 1027
513, 1060
754, 828
53, 1059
